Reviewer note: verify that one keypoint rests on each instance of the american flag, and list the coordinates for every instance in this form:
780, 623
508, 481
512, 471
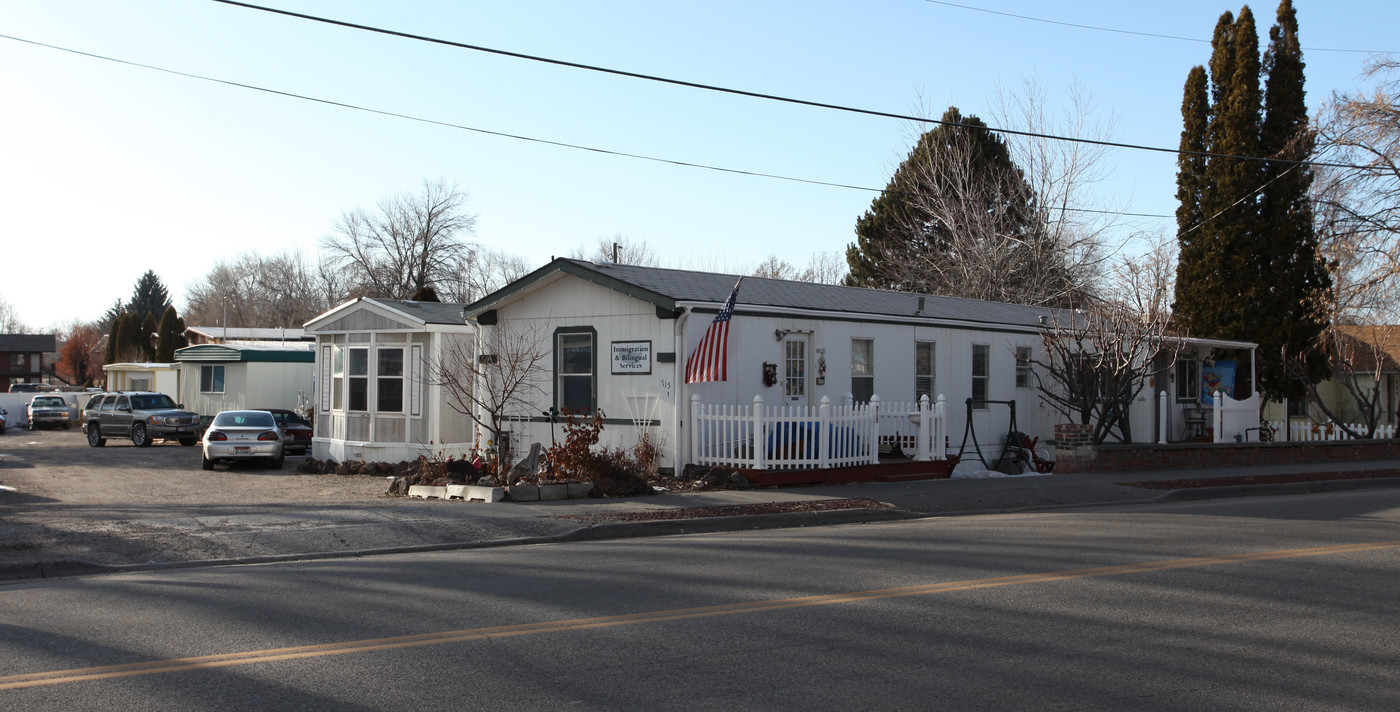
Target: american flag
709, 361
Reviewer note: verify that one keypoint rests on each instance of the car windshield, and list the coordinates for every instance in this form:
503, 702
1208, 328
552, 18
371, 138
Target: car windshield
48, 402
157, 401
244, 419
285, 418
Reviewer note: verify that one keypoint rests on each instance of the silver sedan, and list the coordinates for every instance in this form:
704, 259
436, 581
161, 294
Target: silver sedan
243, 435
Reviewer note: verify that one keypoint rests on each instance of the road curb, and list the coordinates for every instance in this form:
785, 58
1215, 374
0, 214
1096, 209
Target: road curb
1280, 488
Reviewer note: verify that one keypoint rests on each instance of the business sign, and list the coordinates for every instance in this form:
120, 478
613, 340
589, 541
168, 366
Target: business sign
631, 357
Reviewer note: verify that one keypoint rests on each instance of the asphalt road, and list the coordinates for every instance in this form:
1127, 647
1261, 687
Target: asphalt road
1278, 603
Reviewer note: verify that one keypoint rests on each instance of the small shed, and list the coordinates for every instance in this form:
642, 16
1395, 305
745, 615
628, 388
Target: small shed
236, 375
156, 377
374, 364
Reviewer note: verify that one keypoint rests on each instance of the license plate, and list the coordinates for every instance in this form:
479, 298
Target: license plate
241, 450
180, 429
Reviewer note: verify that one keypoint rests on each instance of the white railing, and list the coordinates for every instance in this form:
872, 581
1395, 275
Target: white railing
1304, 431
799, 437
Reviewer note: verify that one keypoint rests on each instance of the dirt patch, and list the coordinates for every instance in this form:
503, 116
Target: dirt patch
732, 510
1261, 479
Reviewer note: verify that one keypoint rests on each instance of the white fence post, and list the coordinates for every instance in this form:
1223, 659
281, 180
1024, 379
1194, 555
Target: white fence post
940, 432
823, 421
1162, 418
696, 455
874, 457
758, 444
925, 429
1219, 417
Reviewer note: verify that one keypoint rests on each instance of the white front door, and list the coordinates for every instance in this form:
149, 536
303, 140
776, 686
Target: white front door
795, 369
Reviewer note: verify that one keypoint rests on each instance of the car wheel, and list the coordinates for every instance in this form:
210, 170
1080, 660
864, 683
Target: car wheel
205, 462
139, 436
67, 426
94, 436
276, 463
188, 441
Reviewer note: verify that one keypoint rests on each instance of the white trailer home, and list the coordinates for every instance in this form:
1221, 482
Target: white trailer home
374, 398
252, 374
620, 335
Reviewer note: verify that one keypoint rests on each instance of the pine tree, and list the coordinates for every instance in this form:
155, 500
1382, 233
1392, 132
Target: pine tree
149, 296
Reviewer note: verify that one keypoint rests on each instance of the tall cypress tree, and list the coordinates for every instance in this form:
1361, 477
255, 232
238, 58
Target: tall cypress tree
1301, 285
1197, 258
1250, 263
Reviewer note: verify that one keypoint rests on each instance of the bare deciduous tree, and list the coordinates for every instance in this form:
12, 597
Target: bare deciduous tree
619, 250
10, 322
412, 241
495, 379
1065, 176
252, 290
1357, 217
1099, 358
825, 268
482, 272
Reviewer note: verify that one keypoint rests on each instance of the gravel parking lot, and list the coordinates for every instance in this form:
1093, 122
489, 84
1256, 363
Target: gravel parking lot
121, 504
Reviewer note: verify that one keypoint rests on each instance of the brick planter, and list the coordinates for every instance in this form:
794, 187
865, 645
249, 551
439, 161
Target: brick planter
1185, 456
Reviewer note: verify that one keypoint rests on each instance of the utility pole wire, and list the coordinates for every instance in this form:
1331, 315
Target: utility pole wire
752, 94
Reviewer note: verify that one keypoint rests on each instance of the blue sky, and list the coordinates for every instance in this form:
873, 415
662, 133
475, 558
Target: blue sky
109, 170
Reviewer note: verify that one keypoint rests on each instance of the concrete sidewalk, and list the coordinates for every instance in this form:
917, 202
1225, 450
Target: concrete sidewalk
270, 534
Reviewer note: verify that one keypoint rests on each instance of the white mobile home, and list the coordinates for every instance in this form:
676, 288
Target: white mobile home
238, 375
620, 336
374, 365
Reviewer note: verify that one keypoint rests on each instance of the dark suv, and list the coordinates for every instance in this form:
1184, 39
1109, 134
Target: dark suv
142, 416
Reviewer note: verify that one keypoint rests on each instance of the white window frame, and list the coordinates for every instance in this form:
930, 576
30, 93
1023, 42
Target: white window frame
381, 380
207, 385
1023, 367
932, 375
863, 371
981, 376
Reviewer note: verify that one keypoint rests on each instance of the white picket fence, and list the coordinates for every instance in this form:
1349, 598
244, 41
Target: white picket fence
1304, 431
802, 437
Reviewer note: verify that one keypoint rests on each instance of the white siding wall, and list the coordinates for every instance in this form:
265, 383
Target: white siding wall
616, 317
571, 302
248, 385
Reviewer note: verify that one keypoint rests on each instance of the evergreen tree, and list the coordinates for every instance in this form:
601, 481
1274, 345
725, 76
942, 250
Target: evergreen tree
170, 336
957, 217
149, 327
1248, 257
114, 340
1196, 263
149, 296
1300, 283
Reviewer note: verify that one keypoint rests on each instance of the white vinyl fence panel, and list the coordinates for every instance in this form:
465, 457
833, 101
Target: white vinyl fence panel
803, 437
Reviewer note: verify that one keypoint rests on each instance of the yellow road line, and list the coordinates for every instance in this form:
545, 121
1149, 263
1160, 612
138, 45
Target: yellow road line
12, 682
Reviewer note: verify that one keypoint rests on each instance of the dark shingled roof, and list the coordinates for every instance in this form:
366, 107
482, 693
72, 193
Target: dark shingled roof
28, 343
664, 287
429, 312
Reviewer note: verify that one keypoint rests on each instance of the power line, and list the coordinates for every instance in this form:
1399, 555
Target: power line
759, 95
1124, 32
501, 134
